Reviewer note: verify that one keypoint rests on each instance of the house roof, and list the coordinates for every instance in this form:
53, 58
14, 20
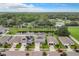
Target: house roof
52, 39
2, 28
66, 41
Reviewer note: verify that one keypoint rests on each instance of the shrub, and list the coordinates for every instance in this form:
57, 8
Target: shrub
44, 54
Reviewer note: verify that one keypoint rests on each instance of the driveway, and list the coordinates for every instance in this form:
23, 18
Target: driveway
13, 47
51, 48
37, 47
69, 49
23, 47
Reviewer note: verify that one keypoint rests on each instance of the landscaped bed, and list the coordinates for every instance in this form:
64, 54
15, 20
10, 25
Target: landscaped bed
44, 46
60, 45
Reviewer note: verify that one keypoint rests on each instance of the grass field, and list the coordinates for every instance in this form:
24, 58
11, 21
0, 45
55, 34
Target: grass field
15, 30
74, 31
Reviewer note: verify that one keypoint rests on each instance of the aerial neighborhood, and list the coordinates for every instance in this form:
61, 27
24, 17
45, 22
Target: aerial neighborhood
39, 34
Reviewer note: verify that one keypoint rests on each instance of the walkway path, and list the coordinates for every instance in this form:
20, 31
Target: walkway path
37, 47
13, 47
23, 47
51, 48
69, 49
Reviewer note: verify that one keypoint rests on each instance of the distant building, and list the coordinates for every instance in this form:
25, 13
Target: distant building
59, 24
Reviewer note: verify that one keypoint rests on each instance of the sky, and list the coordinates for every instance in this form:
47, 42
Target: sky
39, 7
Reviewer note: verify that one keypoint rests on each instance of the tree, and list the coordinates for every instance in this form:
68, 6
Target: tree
72, 23
62, 31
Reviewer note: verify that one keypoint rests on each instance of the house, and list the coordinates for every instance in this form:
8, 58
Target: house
5, 39
29, 39
52, 40
66, 41
2, 29
40, 38
23, 40
59, 24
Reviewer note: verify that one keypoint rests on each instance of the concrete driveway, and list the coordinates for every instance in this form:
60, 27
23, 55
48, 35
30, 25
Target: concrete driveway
23, 47
13, 47
37, 47
51, 48
69, 49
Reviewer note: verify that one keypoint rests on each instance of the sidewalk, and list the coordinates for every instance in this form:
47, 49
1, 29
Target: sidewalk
37, 47
23, 47
69, 49
51, 48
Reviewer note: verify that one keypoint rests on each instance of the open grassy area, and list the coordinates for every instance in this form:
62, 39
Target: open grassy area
74, 31
16, 30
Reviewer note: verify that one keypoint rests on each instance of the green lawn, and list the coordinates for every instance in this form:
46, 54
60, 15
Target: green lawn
18, 45
7, 45
15, 30
45, 45
74, 31
30, 46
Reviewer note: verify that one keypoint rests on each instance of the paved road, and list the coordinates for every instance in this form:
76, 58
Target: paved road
23, 47
51, 48
13, 47
37, 47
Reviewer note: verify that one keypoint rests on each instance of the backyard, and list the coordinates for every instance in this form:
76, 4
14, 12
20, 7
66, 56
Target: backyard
16, 30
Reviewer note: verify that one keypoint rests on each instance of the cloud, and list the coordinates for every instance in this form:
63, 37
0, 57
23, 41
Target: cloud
22, 7
19, 7
15, 7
